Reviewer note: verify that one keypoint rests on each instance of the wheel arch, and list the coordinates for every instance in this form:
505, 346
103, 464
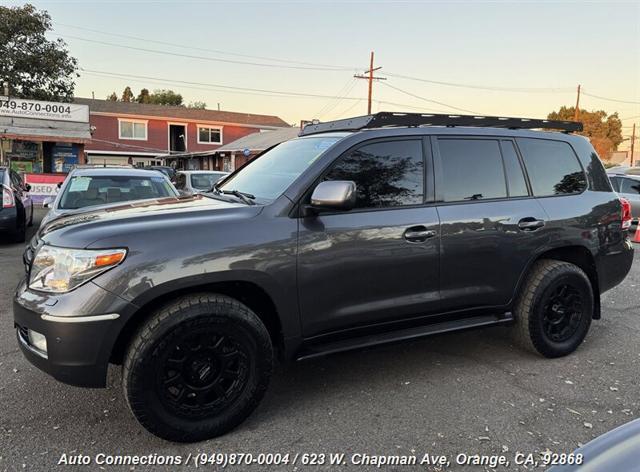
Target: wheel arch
248, 293
574, 254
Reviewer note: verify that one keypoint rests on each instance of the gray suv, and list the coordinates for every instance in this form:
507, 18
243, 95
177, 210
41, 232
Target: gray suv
359, 232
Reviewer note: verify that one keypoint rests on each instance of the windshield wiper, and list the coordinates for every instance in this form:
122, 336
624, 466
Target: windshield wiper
245, 197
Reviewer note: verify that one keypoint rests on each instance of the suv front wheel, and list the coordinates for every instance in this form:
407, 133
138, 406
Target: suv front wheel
554, 309
197, 368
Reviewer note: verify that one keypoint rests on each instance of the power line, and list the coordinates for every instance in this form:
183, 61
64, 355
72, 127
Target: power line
217, 51
228, 88
610, 99
484, 87
203, 58
344, 92
428, 100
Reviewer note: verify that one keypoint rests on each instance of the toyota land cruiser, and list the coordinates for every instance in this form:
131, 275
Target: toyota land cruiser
359, 232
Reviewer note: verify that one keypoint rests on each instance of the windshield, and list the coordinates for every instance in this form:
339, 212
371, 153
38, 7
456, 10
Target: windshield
85, 191
269, 175
205, 181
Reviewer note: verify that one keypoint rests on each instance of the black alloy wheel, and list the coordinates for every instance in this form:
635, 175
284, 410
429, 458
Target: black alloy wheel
203, 372
563, 312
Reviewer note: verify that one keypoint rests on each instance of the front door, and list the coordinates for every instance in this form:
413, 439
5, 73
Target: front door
380, 261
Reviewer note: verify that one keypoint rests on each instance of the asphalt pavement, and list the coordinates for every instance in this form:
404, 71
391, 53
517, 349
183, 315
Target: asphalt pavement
472, 393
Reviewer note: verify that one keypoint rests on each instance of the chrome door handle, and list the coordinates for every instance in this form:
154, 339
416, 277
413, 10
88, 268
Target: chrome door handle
530, 224
418, 234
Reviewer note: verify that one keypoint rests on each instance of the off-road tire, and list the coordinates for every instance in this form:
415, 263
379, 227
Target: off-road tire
545, 276
188, 314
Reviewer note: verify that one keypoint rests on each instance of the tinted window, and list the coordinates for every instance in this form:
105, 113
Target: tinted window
552, 166
516, 183
615, 181
386, 174
630, 186
84, 191
471, 169
205, 181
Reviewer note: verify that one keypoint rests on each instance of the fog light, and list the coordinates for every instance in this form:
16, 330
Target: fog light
38, 341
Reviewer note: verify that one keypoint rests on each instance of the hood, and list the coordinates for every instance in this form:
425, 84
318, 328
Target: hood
80, 229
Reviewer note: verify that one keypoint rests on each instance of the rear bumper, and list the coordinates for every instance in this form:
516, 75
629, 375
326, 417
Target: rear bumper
615, 264
80, 331
8, 219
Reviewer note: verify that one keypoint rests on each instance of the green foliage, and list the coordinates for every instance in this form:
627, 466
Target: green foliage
144, 96
603, 130
113, 97
35, 67
197, 105
127, 95
166, 97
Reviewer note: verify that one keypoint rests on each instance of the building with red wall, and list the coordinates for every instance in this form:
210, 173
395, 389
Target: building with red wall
135, 133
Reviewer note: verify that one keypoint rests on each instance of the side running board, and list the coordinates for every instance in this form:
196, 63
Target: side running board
317, 350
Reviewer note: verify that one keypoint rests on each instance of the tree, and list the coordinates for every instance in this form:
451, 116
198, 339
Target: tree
166, 97
144, 96
127, 95
113, 97
604, 131
33, 66
197, 105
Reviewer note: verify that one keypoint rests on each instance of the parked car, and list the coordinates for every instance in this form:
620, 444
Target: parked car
89, 187
169, 171
628, 186
615, 450
16, 212
198, 181
360, 232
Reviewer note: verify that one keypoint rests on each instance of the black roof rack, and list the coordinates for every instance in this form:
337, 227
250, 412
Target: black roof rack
388, 119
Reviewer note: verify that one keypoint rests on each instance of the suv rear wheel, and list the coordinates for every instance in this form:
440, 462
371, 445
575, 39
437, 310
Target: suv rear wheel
197, 368
554, 309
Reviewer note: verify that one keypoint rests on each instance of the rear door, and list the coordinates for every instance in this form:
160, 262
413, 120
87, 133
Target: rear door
380, 261
490, 223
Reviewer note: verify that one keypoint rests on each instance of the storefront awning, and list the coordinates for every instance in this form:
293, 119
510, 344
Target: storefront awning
43, 130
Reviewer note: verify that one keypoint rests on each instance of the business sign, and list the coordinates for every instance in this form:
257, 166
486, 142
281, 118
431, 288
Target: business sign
39, 110
64, 157
43, 185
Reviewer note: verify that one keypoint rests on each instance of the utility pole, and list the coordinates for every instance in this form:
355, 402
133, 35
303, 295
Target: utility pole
633, 142
576, 113
369, 76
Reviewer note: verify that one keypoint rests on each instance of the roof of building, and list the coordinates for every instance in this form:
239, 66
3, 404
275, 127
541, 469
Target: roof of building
143, 109
261, 141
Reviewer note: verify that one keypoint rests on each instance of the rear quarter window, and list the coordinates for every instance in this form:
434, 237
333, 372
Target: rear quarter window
552, 166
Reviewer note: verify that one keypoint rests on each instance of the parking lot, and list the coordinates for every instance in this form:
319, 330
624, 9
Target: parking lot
471, 392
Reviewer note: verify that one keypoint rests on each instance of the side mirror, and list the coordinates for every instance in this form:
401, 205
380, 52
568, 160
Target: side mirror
334, 195
47, 202
59, 184
27, 187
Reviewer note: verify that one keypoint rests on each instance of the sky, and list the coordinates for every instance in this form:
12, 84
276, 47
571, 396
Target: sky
505, 58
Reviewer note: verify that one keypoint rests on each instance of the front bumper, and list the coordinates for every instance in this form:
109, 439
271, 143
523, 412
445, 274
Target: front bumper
81, 328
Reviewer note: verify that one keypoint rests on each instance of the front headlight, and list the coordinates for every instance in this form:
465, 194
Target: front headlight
59, 269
